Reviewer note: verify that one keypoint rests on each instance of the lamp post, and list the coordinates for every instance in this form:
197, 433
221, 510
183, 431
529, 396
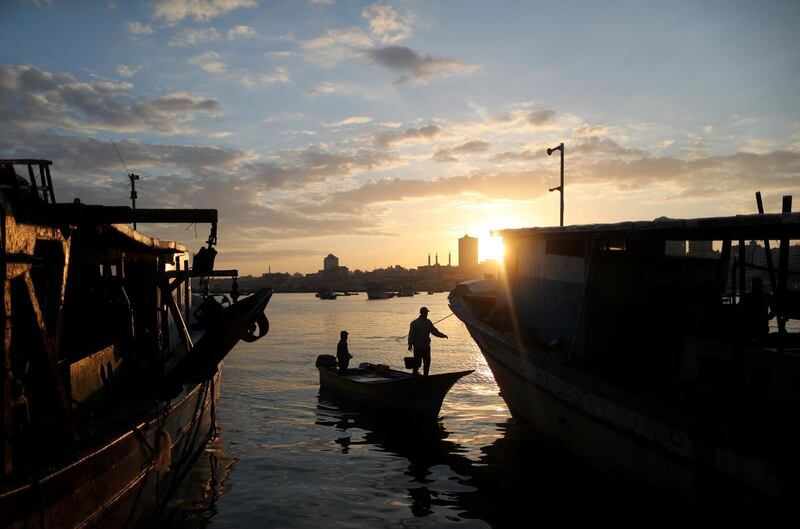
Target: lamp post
560, 188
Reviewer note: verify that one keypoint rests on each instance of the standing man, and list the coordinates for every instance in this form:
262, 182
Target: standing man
419, 340
343, 355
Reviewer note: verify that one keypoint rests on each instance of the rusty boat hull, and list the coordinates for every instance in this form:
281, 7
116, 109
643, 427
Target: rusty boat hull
123, 481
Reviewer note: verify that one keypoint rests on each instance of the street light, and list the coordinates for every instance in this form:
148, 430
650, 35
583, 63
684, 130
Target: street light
560, 188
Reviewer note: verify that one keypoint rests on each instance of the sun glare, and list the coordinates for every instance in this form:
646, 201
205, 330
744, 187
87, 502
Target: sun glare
491, 247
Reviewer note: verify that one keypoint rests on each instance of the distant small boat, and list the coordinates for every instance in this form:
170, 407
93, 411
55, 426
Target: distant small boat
430, 292
326, 294
381, 388
406, 292
380, 294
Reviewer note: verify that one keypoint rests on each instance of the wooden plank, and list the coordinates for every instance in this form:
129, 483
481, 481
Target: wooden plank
51, 360
772, 281
742, 269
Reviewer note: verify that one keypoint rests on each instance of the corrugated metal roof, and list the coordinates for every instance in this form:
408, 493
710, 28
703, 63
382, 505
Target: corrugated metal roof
767, 226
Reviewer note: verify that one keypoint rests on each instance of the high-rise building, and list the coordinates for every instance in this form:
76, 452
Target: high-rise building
331, 262
468, 252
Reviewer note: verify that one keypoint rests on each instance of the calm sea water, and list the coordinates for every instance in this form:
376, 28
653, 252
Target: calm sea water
288, 458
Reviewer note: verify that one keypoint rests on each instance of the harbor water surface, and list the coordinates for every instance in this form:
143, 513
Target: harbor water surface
289, 457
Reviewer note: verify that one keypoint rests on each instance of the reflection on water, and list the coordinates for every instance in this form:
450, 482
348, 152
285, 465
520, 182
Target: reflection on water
423, 443
194, 502
293, 458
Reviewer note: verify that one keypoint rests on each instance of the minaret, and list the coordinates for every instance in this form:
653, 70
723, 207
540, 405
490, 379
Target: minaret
429, 258
448, 258
437, 258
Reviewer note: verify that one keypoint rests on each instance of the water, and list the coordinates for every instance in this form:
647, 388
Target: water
288, 458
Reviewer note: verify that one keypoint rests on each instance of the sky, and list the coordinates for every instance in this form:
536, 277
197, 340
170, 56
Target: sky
384, 131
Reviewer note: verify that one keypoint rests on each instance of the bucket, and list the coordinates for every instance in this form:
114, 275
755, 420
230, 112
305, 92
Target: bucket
409, 361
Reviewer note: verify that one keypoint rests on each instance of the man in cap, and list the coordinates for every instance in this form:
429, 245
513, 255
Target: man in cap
419, 340
343, 355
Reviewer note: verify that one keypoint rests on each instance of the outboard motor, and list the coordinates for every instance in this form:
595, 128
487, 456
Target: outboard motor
326, 361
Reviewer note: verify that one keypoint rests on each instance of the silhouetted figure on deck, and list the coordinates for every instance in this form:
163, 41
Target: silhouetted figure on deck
343, 355
419, 340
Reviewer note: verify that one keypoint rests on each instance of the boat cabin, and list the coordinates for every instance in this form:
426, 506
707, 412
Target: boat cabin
627, 300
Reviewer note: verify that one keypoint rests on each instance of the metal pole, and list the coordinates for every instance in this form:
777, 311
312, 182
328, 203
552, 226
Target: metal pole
562, 184
560, 188
134, 178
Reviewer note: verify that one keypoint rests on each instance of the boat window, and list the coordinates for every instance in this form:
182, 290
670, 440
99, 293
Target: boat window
617, 245
675, 248
570, 247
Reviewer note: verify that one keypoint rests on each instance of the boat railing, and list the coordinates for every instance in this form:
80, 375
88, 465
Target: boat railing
41, 187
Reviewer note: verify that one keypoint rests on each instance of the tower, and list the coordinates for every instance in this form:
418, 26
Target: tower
467, 252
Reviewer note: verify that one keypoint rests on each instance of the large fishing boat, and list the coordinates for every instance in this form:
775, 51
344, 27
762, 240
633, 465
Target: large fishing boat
109, 376
656, 365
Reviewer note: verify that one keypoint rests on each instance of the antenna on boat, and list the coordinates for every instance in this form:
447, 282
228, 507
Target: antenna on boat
133, 178
560, 188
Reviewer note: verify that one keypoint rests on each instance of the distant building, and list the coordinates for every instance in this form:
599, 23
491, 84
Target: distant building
331, 262
467, 252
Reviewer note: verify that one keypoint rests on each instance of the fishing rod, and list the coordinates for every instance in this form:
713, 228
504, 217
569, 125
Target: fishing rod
434, 323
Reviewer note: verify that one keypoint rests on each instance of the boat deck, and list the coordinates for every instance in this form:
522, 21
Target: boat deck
371, 377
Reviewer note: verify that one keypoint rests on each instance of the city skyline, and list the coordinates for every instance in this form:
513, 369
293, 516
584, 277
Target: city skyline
384, 130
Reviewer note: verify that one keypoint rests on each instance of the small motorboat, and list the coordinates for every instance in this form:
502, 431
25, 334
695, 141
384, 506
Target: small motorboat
380, 388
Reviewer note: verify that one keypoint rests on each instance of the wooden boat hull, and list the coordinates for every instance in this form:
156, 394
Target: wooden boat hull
122, 482
612, 433
413, 395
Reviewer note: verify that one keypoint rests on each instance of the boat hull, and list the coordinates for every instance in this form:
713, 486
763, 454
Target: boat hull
123, 482
412, 395
617, 437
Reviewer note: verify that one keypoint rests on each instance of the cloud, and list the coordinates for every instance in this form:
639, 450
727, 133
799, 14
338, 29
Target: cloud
137, 28
277, 76
471, 147
221, 134
387, 139
194, 37
416, 68
321, 2
176, 10
354, 120
541, 117
328, 89
127, 71
325, 88
386, 25
715, 177
301, 167
335, 46
512, 185
241, 32
589, 131
210, 62
81, 155
33, 98
286, 116
278, 54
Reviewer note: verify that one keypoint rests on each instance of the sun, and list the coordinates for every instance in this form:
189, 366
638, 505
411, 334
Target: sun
491, 247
